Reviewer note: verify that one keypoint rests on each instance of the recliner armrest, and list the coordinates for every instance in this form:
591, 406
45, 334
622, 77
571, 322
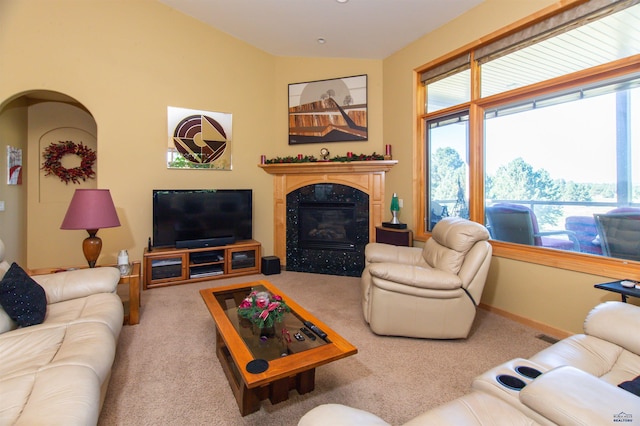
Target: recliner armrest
378, 253
414, 276
78, 283
615, 322
567, 395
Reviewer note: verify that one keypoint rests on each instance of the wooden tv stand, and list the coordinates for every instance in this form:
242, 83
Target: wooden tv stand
171, 266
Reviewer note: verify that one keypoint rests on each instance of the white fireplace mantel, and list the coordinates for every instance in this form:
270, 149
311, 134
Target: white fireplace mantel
367, 176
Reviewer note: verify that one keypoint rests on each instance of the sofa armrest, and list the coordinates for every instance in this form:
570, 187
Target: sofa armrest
78, 283
567, 395
378, 253
615, 322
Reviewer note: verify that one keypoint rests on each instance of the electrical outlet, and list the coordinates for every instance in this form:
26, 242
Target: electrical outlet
1, 206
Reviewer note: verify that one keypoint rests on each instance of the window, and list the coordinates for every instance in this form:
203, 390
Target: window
565, 158
550, 142
448, 159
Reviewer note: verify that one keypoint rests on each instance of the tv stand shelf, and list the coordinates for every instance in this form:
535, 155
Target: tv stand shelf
171, 266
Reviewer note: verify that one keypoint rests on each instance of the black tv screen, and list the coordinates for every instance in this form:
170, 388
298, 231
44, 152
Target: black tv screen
182, 216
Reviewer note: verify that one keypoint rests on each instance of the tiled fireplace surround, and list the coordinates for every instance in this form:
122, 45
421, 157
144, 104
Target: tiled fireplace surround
365, 176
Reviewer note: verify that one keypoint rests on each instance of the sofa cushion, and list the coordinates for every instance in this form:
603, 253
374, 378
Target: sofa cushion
31, 350
23, 299
60, 395
105, 308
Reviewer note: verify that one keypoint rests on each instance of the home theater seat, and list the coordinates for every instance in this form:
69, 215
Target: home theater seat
591, 378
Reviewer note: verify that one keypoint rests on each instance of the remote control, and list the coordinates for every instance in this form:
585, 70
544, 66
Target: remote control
309, 334
315, 329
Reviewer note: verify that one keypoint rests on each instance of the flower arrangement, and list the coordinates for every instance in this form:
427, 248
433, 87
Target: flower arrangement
263, 308
52, 161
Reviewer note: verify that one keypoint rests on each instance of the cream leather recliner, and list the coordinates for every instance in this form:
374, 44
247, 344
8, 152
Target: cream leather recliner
431, 292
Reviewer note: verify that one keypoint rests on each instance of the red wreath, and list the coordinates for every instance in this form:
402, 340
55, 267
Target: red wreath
52, 161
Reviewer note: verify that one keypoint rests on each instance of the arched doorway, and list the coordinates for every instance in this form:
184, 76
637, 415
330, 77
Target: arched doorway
33, 210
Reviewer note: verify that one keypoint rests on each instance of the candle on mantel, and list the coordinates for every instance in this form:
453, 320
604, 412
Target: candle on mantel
299, 156
387, 149
349, 154
263, 159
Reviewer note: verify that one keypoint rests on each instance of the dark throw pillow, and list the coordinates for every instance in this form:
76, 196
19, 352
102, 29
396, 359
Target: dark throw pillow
632, 386
22, 298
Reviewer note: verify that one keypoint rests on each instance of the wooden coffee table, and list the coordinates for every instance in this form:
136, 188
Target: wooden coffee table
291, 364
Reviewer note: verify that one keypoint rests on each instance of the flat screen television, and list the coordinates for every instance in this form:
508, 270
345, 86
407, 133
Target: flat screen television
201, 217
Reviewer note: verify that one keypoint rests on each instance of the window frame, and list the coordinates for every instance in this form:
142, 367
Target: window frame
597, 265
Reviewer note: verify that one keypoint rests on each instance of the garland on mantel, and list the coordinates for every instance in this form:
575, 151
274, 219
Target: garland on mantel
312, 159
53, 166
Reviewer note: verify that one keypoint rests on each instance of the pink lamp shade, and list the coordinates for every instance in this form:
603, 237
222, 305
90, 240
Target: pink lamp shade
91, 209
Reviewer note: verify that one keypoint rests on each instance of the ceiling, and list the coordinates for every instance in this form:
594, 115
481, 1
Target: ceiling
365, 29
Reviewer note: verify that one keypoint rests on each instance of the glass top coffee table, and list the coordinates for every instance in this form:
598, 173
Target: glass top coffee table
280, 362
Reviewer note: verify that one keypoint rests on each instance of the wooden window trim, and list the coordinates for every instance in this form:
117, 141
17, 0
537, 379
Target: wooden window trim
579, 262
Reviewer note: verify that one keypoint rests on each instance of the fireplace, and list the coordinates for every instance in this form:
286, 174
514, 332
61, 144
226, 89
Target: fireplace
365, 176
327, 229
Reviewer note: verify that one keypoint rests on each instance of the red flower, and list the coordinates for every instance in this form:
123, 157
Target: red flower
273, 305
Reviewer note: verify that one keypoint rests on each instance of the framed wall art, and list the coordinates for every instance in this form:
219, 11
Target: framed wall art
198, 139
14, 166
328, 110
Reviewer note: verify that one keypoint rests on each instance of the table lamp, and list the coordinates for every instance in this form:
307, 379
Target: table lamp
395, 208
91, 209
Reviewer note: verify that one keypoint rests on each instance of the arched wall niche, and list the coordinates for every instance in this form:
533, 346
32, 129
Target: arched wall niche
30, 121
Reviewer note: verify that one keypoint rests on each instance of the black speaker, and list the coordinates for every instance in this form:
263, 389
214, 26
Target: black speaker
270, 265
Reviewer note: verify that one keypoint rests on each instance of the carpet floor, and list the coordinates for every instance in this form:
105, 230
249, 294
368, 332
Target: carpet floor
166, 371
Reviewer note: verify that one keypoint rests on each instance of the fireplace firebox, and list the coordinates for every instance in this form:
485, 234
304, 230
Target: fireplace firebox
327, 229
327, 226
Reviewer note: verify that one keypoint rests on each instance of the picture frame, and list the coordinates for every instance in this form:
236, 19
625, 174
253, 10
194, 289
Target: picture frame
199, 139
14, 166
333, 110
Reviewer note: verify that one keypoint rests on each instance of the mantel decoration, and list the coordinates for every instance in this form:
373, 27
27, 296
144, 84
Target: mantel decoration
312, 159
53, 161
263, 309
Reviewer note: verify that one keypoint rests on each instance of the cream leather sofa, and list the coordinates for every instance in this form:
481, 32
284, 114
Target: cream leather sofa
577, 383
57, 372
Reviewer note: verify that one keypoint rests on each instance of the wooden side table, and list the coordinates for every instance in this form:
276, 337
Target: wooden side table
132, 306
396, 237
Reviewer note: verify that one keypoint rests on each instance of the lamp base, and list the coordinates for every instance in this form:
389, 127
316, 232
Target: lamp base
91, 247
394, 225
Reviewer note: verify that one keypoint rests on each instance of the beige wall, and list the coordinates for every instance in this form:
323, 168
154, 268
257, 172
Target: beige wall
13, 220
126, 67
48, 196
126, 61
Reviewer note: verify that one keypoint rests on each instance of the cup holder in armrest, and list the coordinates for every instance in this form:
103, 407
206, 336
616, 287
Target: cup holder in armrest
528, 372
510, 382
